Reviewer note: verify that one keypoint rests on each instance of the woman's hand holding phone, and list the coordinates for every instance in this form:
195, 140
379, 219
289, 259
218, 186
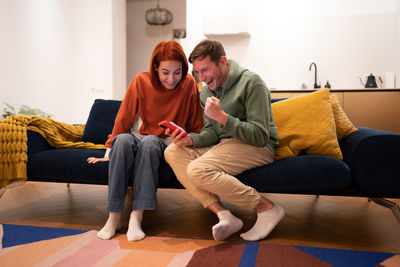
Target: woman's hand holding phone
178, 135
172, 127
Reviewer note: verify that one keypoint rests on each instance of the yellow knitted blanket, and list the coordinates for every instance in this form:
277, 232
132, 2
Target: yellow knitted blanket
13, 142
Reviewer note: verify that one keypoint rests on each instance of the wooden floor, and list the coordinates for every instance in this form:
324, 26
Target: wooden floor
334, 222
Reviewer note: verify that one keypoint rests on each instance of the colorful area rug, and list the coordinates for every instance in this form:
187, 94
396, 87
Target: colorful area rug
43, 246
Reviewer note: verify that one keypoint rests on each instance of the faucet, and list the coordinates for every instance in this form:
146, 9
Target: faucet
315, 75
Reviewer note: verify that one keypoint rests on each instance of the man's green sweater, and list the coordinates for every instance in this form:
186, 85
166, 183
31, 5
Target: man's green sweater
246, 100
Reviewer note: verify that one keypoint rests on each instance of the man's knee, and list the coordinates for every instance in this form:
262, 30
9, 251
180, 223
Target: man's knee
169, 152
196, 172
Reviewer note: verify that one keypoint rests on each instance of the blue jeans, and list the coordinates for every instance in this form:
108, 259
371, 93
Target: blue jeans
137, 161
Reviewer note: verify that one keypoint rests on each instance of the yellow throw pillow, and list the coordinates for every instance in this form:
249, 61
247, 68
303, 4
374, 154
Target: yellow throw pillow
306, 124
344, 127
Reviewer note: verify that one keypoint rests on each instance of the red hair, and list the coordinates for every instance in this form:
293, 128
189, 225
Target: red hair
169, 50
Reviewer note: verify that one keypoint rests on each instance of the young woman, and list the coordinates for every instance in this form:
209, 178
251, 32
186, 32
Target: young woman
137, 143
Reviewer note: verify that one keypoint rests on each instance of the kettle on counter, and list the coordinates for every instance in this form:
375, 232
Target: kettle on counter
371, 81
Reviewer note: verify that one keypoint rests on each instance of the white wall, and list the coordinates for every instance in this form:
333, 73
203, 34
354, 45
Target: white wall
142, 38
58, 55
120, 82
36, 54
345, 38
398, 46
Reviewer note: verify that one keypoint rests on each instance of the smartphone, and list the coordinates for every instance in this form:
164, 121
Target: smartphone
172, 126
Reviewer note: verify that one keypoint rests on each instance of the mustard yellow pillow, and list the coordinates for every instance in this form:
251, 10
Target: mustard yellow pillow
306, 124
344, 127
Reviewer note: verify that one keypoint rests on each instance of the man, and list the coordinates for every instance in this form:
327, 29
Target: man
238, 134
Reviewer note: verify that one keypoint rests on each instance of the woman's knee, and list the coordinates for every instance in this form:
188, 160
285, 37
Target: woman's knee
152, 144
151, 139
122, 145
122, 140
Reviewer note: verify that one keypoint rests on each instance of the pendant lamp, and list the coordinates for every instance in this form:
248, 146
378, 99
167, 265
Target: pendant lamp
158, 16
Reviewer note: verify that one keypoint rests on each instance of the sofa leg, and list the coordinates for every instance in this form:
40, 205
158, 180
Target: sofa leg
388, 204
68, 184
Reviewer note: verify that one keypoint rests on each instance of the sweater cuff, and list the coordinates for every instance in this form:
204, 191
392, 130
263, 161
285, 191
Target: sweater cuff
195, 138
229, 125
107, 152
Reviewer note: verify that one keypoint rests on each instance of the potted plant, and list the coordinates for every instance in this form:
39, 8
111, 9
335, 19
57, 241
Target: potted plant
9, 110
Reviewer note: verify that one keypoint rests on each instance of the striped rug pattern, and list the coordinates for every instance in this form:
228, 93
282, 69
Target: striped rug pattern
44, 246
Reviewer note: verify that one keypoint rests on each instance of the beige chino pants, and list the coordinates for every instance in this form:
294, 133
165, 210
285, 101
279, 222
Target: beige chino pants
208, 173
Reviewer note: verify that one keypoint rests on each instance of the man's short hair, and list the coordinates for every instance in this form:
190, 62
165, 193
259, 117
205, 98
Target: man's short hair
208, 47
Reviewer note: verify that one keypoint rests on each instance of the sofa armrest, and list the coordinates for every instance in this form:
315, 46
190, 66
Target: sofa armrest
374, 160
36, 143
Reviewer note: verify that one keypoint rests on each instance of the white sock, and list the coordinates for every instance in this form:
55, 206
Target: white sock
266, 222
228, 225
135, 232
113, 224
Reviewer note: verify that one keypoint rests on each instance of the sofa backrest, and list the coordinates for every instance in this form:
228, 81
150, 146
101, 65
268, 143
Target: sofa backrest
100, 121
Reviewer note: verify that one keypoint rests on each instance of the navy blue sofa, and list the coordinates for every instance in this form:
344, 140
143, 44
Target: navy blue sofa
370, 165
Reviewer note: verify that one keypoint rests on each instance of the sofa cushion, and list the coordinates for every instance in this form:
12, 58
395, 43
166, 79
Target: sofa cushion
306, 125
344, 126
304, 173
36, 143
100, 121
70, 166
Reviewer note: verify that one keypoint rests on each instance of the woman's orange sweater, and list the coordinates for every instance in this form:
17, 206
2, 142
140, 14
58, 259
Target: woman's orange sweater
154, 103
